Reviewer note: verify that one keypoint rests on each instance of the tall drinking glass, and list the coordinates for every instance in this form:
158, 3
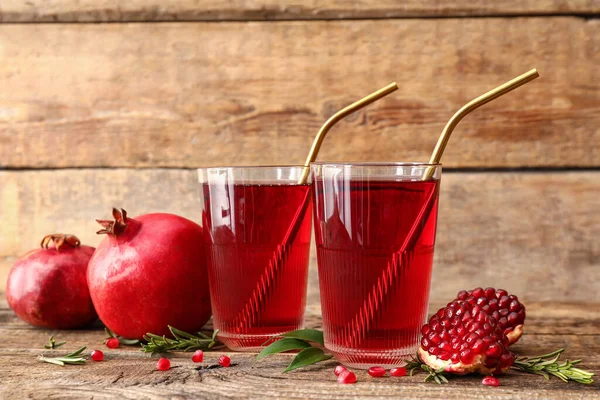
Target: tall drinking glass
375, 230
257, 222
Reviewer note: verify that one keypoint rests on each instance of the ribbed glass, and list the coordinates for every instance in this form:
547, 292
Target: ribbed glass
375, 228
257, 222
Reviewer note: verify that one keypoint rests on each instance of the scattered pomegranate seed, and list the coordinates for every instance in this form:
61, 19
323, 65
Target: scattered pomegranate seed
339, 369
113, 343
198, 356
490, 381
163, 364
347, 377
376, 372
400, 371
224, 361
97, 355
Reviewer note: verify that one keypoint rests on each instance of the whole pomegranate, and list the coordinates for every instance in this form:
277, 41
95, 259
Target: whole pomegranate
47, 287
462, 338
150, 272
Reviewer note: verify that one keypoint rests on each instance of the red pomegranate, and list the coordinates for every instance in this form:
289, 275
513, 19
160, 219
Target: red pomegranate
462, 338
47, 287
150, 272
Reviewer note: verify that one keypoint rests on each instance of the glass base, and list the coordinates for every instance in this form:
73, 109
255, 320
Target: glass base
365, 359
246, 342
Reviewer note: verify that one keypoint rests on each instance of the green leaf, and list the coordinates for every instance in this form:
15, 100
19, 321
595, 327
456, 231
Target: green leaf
308, 356
128, 342
311, 335
282, 345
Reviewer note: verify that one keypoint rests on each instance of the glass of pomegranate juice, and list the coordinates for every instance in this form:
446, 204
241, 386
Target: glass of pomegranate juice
375, 230
257, 223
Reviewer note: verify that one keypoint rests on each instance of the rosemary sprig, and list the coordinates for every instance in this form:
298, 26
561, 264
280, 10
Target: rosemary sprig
436, 375
182, 341
74, 358
52, 344
544, 365
548, 364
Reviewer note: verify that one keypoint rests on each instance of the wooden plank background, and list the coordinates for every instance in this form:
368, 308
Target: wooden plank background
216, 10
198, 94
95, 115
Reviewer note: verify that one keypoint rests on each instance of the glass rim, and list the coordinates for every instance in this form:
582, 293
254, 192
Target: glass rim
375, 164
252, 167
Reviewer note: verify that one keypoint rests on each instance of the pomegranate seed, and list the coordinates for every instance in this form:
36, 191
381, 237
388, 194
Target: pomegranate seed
490, 381
339, 369
466, 357
376, 372
490, 293
97, 355
347, 377
198, 356
224, 361
478, 292
494, 351
478, 347
163, 364
113, 343
400, 371
506, 360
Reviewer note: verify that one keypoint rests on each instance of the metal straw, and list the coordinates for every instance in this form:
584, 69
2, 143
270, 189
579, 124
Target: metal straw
252, 307
365, 316
343, 113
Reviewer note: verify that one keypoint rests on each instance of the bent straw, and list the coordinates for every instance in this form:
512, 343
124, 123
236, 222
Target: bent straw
366, 314
249, 312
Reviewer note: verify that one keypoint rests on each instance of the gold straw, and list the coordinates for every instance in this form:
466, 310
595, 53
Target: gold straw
358, 326
470, 106
344, 112
248, 314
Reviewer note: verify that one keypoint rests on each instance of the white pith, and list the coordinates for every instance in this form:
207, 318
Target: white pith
478, 364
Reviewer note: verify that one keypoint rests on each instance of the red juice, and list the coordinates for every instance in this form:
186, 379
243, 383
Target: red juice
374, 296
258, 286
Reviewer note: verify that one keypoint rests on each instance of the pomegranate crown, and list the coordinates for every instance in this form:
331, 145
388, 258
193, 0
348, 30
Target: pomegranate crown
59, 240
115, 227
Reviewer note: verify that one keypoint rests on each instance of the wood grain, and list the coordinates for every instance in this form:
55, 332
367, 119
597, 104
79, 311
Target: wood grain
188, 95
127, 373
217, 10
533, 233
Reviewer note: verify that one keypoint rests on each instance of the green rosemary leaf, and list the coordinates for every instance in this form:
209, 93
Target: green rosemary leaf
76, 353
52, 344
71, 358
283, 345
128, 342
52, 361
308, 356
310, 335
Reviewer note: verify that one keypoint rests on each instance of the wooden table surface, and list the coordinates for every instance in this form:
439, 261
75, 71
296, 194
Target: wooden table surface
128, 373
